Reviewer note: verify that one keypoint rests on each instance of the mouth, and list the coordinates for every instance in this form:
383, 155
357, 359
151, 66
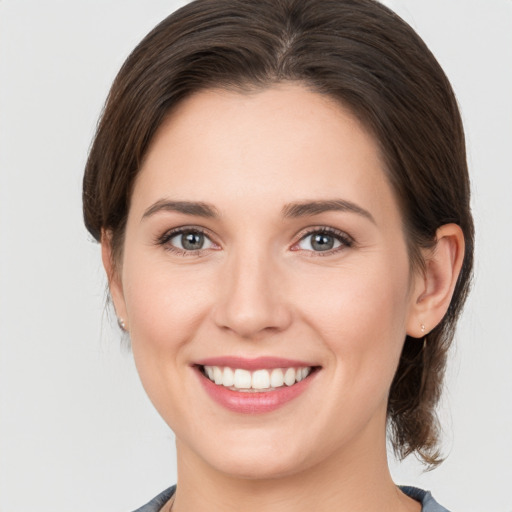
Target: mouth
254, 386
258, 381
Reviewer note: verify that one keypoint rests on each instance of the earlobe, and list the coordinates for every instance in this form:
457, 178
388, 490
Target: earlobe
114, 279
434, 288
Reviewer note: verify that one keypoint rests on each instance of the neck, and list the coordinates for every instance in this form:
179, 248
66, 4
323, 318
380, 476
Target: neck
356, 479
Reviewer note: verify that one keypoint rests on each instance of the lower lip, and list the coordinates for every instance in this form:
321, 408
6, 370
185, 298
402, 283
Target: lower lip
254, 402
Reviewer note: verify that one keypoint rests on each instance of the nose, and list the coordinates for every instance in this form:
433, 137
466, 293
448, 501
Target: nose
253, 297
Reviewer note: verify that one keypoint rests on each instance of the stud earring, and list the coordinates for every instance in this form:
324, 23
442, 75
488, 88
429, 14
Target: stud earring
122, 324
424, 336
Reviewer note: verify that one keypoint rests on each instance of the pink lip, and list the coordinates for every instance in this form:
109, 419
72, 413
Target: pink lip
258, 363
253, 402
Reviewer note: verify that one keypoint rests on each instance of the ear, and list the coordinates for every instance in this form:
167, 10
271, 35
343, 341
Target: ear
433, 289
114, 278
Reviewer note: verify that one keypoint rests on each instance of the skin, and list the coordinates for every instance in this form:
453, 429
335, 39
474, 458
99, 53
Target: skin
259, 288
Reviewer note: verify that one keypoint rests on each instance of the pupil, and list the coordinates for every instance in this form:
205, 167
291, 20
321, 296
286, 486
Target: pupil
322, 242
192, 241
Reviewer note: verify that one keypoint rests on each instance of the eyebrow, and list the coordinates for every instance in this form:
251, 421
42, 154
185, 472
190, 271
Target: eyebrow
199, 209
289, 211
309, 208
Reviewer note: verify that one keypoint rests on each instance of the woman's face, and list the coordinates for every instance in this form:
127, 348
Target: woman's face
264, 246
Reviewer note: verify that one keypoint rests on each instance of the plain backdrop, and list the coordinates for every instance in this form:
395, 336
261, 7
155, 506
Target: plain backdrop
76, 430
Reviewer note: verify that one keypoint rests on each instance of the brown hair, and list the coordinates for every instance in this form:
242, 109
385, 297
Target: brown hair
356, 51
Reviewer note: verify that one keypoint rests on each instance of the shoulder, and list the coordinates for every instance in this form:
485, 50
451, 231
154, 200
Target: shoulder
156, 504
428, 503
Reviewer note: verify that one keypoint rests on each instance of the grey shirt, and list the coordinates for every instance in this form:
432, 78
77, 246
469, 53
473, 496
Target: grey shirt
428, 503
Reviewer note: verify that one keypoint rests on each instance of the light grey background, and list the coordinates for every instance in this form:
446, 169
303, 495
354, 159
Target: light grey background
76, 430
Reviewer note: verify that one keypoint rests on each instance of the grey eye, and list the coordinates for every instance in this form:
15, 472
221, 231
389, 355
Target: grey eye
319, 242
191, 241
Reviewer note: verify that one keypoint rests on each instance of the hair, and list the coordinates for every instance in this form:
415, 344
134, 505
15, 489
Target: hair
364, 56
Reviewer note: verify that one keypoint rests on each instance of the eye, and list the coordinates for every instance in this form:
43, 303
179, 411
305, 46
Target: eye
186, 240
190, 241
324, 240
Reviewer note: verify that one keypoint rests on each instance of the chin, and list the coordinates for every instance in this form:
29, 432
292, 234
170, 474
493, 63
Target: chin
259, 467
256, 457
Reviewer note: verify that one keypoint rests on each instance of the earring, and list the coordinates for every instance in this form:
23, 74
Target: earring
122, 324
424, 336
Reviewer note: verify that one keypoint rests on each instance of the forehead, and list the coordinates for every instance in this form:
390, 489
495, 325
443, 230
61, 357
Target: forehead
268, 147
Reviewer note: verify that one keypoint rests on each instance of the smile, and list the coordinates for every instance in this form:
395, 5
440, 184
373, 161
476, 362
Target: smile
254, 386
238, 379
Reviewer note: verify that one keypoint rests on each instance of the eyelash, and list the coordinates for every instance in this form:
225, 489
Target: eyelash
345, 240
164, 240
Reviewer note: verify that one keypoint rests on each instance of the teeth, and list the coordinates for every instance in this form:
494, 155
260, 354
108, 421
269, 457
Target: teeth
242, 379
302, 373
260, 379
277, 378
239, 379
217, 375
289, 376
228, 377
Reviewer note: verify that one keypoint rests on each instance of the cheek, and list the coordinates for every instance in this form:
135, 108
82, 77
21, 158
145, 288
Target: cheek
164, 306
164, 310
361, 312
359, 317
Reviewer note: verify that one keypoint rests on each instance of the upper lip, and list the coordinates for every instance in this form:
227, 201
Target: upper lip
257, 363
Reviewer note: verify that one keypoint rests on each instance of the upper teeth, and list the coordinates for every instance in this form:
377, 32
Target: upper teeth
260, 379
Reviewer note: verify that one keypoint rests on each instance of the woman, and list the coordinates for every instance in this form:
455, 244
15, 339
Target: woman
281, 194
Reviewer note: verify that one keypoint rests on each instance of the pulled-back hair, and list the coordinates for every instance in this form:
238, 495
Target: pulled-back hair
355, 51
